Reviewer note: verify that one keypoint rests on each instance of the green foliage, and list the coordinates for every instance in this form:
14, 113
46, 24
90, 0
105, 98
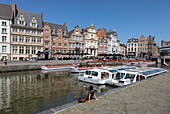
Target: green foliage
83, 64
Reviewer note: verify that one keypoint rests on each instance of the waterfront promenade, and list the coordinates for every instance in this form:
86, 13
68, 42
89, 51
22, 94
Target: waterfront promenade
150, 96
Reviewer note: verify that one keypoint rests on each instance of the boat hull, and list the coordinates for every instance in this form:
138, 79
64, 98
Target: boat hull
90, 80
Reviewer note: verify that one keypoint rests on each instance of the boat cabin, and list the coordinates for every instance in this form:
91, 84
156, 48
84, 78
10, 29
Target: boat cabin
96, 76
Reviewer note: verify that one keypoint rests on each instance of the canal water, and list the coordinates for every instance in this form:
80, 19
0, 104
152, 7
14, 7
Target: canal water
29, 92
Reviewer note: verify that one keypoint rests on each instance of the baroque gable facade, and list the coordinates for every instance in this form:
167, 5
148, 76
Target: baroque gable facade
91, 40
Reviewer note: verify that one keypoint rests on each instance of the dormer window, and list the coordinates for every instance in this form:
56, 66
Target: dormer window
21, 20
33, 22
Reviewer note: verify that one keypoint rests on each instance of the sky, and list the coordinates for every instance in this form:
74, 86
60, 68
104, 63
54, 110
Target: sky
129, 18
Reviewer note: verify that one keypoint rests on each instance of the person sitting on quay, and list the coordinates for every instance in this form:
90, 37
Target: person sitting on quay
91, 95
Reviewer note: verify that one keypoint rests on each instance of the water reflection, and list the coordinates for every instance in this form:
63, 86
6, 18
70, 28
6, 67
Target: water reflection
28, 92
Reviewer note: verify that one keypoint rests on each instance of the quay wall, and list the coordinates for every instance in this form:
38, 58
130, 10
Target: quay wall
36, 65
12, 68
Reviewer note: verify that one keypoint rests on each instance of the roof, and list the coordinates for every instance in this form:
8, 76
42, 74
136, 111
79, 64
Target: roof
69, 33
28, 17
54, 26
132, 40
108, 33
6, 11
58, 26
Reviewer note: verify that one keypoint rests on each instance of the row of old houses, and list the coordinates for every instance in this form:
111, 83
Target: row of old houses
142, 47
24, 35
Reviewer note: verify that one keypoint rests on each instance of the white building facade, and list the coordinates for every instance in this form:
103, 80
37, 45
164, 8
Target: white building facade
132, 47
113, 42
5, 23
26, 35
91, 40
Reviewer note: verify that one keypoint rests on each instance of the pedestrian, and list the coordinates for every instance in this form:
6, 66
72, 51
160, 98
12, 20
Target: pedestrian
91, 94
5, 61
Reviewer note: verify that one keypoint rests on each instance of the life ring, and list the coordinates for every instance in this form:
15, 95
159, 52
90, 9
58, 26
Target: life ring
81, 99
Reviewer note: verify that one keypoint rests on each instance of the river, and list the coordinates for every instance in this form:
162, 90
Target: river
29, 92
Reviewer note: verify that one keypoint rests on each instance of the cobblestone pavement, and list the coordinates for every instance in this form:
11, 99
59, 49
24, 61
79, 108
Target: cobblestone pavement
151, 96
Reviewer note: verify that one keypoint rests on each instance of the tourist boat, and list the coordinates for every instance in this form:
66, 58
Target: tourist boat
126, 77
96, 76
80, 69
141, 63
63, 67
83, 69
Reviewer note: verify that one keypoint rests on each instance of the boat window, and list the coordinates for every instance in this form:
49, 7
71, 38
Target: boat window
113, 76
112, 71
129, 76
94, 73
142, 77
119, 76
104, 75
88, 72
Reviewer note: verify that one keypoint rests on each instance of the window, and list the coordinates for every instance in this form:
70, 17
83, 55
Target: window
33, 50
33, 22
33, 40
27, 31
14, 58
3, 38
27, 39
21, 39
14, 39
46, 43
33, 32
21, 20
4, 31
65, 44
27, 50
59, 44
4, 23
4, 49
38, 40
119, 76
21, 50
14, 30
94, 73
14, 49
21, 30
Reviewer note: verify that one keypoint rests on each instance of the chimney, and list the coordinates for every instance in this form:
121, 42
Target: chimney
14, 10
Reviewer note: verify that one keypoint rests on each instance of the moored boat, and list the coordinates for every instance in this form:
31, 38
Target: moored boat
96, 76
56, 67
130, 76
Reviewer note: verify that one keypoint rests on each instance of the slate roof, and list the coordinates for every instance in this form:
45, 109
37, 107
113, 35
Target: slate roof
54, 26
69, 33
5, 11
57, 26
28, 17
132, 40
108, 33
